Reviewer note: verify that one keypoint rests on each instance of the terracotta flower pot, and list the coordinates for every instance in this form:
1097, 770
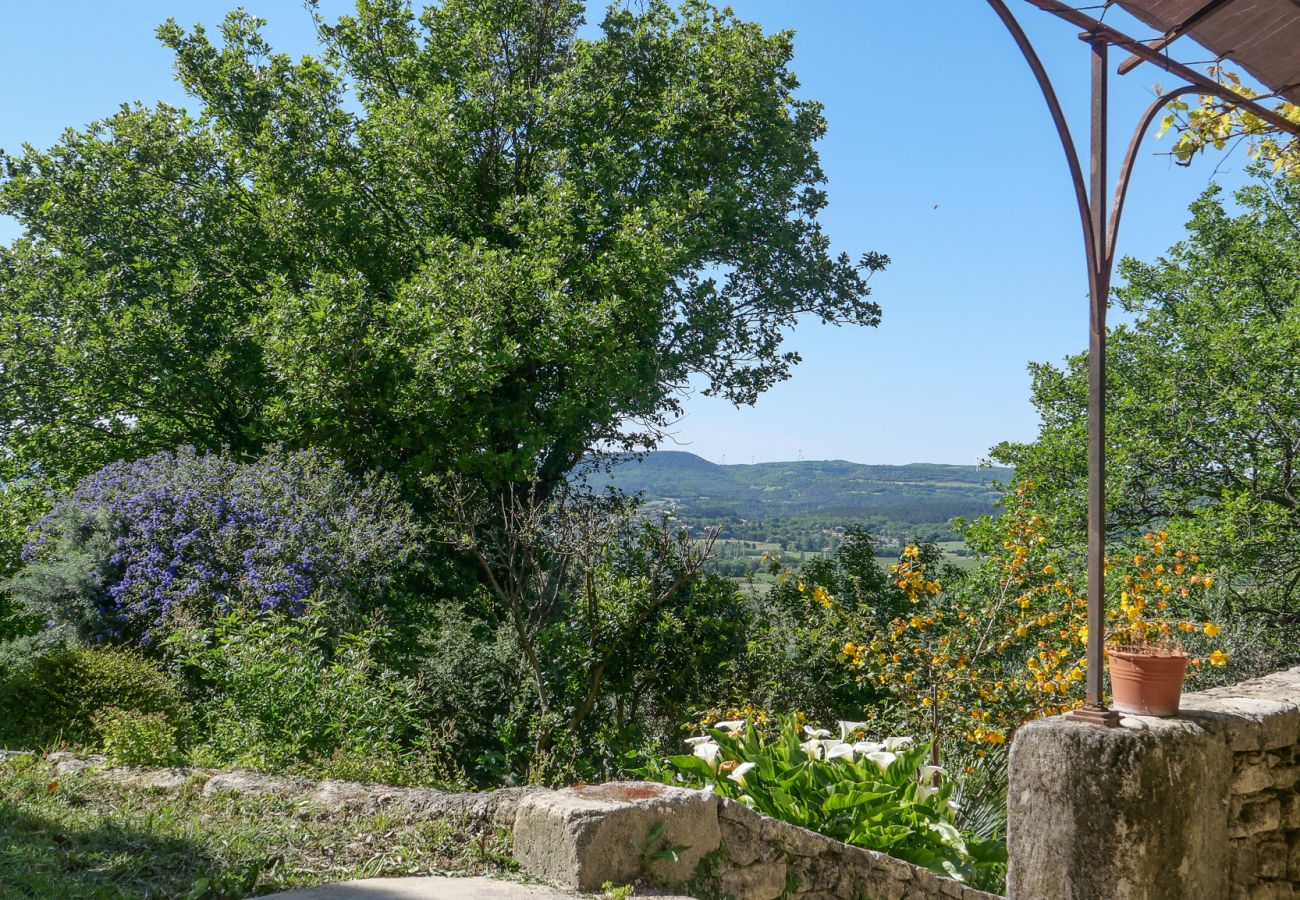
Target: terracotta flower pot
1146, 681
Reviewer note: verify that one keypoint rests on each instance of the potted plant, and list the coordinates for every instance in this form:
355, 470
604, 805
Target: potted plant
1144, 644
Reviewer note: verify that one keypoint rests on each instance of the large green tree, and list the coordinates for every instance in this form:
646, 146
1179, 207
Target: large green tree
462, 240
1203, 434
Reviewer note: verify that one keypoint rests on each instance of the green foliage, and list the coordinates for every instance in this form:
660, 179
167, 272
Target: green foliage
53, 696
460, 240
129, 737
63, 590
882, 796
21, 504
1204, 406
793, 658
274, 693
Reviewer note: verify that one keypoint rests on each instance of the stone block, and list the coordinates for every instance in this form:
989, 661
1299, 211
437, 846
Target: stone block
1256, 818
1252, 722
1119, 813
1272, 860
742, 845
581, 837
762, 881
1252, 778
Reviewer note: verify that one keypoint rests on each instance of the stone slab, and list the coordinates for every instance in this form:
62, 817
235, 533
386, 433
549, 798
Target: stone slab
584, 836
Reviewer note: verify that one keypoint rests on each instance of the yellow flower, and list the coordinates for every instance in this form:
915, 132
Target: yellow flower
1218, 658
1049, 569
1211, 629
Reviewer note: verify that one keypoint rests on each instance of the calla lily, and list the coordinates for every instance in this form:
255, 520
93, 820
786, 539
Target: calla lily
738, 775
894, 744
816, 732
698, 740
838, 750
709, 752
882, 759
730, 725
926, 773
847, 728
813, 748
925, 791
865, 747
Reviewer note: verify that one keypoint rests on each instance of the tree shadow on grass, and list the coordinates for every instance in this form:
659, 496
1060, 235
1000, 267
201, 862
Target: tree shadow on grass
42, 857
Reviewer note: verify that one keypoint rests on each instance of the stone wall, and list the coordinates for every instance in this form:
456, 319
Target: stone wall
1202, 806
764, 857
583, 836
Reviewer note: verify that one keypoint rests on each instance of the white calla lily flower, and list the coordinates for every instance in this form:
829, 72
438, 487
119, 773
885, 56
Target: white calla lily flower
838, 750
738, 774
926, 773
862, 748
704, 739
730, 725
847, 728
816, 733
813, 748
709, 752
925, 791
883, 759
894, 744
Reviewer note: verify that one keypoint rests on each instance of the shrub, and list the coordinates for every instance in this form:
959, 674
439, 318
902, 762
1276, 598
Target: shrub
129, 737
280, 693
200, 535
53, 696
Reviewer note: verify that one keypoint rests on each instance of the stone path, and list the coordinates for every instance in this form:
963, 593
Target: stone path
437, 888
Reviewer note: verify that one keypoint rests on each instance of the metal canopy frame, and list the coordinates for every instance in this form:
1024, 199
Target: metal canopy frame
1100, 219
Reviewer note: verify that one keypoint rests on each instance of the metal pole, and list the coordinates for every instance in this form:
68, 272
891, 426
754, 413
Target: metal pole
1098, 295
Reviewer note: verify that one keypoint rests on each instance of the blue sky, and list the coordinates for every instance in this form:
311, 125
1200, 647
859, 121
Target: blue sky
940, 153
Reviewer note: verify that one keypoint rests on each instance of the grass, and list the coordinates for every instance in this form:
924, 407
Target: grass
81, 836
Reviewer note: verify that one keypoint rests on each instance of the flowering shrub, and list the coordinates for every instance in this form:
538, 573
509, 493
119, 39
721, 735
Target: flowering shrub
876, 794
1007, 643
204, 533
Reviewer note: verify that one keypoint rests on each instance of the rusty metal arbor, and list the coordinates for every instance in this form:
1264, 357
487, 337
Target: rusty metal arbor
1263, 38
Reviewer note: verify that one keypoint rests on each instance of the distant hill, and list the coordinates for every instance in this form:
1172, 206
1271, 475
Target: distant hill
830, 489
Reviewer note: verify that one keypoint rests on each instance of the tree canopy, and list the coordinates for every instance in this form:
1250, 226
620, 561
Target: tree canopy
460, 240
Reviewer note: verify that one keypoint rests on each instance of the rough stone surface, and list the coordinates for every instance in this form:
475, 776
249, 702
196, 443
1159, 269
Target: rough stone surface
253, 783
1201, 806
154, 779
581, 837
68, 763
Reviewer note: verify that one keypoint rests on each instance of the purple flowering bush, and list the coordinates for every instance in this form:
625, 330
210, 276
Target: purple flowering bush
188, 537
